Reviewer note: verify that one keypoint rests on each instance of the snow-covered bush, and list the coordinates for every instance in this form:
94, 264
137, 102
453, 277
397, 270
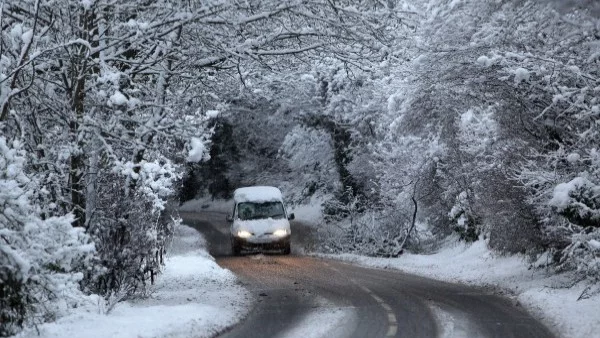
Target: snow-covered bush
42, 260
131, 226
374, 233
583, 256
578, 201
466, 224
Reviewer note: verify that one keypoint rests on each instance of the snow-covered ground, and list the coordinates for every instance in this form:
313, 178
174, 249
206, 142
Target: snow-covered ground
310, 213
544, 294
193, 297
327, 321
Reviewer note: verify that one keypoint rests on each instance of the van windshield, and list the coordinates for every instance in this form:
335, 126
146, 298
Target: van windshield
253, 210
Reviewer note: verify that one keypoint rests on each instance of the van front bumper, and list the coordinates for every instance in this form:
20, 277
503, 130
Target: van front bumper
269, 242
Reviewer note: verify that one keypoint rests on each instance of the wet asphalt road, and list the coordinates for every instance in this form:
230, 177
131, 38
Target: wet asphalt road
375, 302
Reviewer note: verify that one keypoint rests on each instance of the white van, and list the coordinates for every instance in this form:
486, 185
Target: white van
259, 220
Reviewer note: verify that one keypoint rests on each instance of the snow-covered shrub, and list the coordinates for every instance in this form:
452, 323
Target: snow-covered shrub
403, 173
582, 255
578, 201
572, 224
343, 139
41, 260
466, 224
373, 233
132, 227
382, 232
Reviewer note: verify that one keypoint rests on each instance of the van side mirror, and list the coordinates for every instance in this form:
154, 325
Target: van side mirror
229, 218
291, 216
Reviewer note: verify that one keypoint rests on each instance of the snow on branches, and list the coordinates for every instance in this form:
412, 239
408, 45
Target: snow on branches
42, 260
111, 98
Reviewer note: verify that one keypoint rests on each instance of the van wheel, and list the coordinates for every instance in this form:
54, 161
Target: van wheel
236, 249
287, 249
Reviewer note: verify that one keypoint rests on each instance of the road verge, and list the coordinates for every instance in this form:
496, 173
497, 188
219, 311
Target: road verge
193, 297
543, 293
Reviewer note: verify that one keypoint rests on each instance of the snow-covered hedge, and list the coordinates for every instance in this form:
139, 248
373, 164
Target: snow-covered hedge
41, 259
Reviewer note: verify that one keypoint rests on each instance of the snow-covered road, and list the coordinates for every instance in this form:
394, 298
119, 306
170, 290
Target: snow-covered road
299, 296
543, 293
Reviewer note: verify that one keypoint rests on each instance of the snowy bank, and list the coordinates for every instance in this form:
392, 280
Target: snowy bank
539, 291
310, 213
193, 297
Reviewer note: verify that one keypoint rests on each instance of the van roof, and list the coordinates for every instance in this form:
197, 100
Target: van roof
257, 194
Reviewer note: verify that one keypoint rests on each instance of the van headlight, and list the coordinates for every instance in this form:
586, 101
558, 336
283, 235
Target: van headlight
244, 234
280, 232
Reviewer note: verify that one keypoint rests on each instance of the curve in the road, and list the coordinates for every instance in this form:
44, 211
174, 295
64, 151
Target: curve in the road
384, 303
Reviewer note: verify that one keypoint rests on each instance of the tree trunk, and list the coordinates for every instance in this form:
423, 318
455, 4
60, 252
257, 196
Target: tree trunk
77, 170
410, 229
77, 165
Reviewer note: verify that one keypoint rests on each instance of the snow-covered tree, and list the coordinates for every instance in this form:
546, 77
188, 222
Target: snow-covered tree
509, 91
109, 100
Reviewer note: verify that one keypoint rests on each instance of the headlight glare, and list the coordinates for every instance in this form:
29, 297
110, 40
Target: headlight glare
280, 232
243, 234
